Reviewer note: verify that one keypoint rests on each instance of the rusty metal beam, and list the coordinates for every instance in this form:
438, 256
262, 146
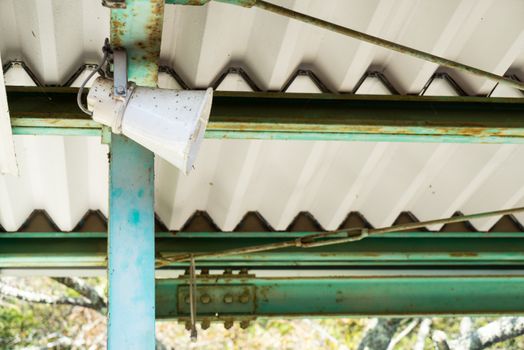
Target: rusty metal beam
305, 117
399, 250
424, 294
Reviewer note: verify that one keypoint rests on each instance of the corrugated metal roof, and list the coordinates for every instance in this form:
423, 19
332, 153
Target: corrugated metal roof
246, 49
7, 153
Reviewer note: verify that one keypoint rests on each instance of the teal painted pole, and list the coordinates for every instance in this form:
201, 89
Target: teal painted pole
131, 247
131, 244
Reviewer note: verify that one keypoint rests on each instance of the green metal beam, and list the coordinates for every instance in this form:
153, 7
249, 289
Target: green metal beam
403, 250
236, 296
287, 116
49, 111
244, 3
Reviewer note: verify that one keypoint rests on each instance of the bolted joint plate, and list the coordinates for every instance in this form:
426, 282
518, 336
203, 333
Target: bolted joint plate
214, 300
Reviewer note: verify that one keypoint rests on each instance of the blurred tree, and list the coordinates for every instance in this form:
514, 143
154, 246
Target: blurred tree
30, 320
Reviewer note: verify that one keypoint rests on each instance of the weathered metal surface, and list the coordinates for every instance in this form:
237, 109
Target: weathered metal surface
212, 299
119, 72
268, 235
407, 249
138, 29
114, 4
48, 112
352, 296
56, 131
385, 115
130, 246
244, 3
313, 116
41, 123
131, 243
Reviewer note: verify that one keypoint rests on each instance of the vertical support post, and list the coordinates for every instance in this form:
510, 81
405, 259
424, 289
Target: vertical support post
131, 244
131, 265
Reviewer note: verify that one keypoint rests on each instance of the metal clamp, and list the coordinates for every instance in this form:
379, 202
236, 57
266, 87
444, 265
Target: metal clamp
120, 73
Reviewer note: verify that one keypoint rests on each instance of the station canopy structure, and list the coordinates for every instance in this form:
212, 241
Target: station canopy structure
310, 131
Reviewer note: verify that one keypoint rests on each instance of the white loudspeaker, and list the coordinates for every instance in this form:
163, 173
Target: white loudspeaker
169, 123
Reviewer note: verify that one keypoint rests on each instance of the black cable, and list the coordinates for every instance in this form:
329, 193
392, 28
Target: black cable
107, 50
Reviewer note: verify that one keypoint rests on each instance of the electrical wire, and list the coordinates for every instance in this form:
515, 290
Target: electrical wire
84, 109
310, 241
322, 239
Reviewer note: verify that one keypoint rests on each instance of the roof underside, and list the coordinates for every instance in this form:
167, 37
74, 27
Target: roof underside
233, 48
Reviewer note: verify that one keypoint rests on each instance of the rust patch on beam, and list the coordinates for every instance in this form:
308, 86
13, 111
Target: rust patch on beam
463, 254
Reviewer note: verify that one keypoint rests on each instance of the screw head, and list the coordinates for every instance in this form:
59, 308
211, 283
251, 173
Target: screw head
244, 324
228, 299
120, 89
244, 298
228, 324
205, 299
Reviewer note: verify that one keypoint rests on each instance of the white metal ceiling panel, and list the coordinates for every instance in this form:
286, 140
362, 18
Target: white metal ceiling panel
7, 152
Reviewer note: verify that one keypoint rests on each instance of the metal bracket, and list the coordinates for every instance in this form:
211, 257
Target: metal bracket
114, 4
214, 300
119, 73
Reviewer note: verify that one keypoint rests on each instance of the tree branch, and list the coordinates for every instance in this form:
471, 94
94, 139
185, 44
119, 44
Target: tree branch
402, 334
495, 332
61, 342
379, 334
81, 287
423, 332
466, 326
324, 334
440, 339
39, 298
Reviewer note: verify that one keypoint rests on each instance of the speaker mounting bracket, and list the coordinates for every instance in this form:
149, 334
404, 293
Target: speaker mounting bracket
120, 73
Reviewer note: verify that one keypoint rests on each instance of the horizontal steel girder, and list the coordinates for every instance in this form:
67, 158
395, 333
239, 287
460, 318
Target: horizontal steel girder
236, 297
285, 116
403, 250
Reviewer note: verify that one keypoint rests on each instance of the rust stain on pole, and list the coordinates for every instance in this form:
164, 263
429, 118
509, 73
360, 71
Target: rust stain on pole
141, 36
